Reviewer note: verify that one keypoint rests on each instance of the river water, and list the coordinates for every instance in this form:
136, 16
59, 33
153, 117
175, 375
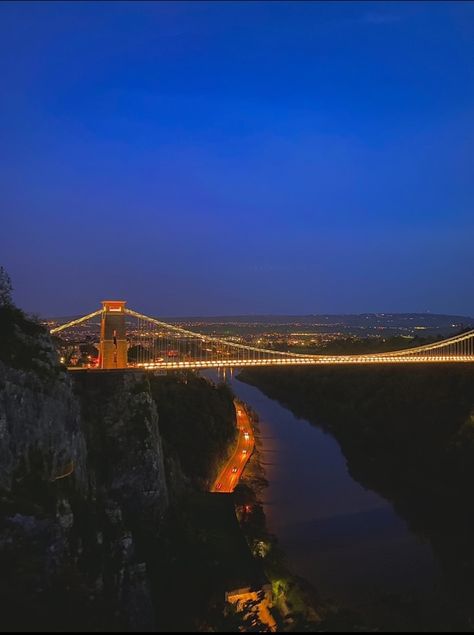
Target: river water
346, 540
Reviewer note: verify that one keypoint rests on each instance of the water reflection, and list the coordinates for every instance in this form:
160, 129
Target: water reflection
346, 540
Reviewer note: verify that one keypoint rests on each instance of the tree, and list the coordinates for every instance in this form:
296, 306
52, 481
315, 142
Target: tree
244, 618
5, 288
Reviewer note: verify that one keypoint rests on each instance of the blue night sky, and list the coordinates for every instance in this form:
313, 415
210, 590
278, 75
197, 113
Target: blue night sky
234, 158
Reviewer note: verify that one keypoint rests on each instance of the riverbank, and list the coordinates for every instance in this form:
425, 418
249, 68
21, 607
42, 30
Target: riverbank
296, 602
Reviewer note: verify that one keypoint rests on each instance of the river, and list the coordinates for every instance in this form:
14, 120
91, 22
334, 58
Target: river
346, 540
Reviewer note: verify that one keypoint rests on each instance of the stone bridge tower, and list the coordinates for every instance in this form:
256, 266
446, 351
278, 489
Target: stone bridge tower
113, 340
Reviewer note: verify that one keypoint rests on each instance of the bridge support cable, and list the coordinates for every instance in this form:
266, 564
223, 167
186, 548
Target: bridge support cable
159, 345
211, 350
69, 325
454, 348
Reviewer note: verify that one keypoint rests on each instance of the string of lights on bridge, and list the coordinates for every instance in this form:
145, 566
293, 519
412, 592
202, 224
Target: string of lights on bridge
152, 344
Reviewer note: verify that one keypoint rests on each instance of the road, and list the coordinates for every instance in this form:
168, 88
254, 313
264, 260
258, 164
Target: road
229, 476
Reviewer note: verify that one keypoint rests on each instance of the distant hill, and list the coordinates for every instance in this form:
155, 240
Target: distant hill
362, 324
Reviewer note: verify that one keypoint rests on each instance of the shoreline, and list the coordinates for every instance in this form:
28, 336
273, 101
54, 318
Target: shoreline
294, 599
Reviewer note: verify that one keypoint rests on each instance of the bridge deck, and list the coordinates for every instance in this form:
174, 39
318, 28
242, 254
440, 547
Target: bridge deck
156, 345
196, 365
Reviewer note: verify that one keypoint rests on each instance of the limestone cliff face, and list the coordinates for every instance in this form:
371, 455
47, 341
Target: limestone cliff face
124, 445
81, 482
40, 432
40, 429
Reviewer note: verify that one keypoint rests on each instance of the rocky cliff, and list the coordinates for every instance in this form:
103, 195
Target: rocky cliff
81, 481
103, 480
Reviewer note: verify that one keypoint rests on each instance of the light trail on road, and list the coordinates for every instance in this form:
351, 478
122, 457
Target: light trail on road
229, 476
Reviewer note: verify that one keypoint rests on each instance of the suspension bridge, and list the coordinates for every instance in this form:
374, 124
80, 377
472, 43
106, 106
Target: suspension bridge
127, 339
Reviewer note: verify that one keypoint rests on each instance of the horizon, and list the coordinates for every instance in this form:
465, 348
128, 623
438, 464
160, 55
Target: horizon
285, 315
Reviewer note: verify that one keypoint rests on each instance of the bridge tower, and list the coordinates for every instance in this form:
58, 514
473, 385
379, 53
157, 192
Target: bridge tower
113, 341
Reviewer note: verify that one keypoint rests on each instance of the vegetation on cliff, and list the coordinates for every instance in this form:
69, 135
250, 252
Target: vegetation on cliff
197, 422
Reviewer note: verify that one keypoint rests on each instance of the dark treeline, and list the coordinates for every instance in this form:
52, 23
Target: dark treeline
197, 422
354, 345
407, 432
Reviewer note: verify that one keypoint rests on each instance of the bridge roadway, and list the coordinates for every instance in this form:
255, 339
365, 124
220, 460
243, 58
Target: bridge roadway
289, 361
156, 340
230, 474
309, 361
